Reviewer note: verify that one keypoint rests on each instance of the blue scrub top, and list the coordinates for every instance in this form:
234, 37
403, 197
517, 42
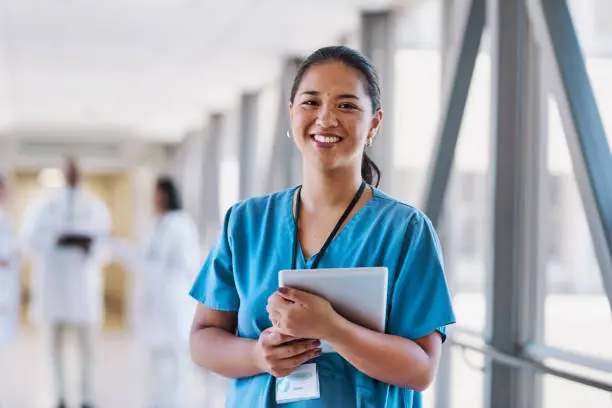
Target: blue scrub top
241, 272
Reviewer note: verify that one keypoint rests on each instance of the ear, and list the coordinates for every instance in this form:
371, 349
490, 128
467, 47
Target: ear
290, 112
376, 122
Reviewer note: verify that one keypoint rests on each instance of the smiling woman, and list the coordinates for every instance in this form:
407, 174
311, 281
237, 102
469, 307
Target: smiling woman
268, 339
345, 87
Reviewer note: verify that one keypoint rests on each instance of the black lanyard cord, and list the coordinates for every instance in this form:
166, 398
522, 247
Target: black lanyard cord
331, 236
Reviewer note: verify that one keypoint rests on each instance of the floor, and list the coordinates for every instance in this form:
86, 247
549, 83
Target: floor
119, 375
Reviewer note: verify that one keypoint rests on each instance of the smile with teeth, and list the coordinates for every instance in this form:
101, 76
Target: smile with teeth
326, 139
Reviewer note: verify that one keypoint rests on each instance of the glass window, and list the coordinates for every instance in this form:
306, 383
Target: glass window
467, 205
577, 312
560, 393
468, 379
418, 79
416, 117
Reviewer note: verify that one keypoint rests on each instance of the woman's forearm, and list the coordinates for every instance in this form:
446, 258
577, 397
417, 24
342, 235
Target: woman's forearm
387, 358
224, 353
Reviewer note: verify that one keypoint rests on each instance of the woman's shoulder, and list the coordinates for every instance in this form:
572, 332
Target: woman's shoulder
395, 210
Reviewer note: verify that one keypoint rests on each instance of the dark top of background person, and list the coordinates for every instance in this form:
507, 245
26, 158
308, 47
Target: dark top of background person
167, 197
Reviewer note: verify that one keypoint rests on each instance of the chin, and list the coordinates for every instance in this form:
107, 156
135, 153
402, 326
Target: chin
329, 166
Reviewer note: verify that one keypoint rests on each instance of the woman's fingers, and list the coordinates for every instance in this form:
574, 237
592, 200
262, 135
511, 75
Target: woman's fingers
287, 366
273, 338
296, 348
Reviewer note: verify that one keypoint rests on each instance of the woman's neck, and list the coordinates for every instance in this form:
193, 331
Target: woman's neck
329, 189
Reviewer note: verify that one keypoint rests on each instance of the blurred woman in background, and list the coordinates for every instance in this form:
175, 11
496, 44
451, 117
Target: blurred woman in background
171, 262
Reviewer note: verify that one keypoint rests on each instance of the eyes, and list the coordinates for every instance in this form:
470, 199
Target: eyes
346, 106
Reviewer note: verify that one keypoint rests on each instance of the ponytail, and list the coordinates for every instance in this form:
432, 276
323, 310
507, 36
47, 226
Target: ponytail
370, 171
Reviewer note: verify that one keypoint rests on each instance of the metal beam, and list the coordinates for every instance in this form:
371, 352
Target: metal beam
248, 135
513, 261
379, 45
540, 352
462, 66
525, 363
586, 137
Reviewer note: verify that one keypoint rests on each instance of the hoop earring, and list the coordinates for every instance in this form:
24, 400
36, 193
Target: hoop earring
369, 142
288, 134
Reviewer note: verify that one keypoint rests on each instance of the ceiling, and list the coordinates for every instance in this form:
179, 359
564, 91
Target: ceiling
149, 68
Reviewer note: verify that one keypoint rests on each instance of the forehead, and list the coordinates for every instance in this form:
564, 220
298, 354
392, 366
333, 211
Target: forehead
334, 78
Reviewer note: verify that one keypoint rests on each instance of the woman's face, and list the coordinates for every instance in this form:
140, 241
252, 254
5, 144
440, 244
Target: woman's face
159, 201
331, 116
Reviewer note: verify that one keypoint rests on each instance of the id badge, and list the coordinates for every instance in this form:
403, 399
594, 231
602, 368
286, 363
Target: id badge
302, 384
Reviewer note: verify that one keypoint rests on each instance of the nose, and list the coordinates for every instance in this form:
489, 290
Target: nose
326, 118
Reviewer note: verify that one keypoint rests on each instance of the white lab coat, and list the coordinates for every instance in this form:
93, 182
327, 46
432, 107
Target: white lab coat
10, 287
67, 284
171, 261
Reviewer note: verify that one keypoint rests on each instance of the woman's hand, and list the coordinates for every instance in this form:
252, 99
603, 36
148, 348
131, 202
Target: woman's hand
279, 354
302, 315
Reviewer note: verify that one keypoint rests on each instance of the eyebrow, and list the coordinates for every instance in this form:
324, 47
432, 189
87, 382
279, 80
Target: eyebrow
342, 96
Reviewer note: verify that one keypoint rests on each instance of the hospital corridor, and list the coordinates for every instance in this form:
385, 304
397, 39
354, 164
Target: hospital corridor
306, 204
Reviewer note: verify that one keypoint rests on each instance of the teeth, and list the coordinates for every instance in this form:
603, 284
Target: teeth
326, 139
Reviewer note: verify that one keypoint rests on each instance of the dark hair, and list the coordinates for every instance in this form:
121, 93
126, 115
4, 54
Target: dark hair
369, 170
167, 186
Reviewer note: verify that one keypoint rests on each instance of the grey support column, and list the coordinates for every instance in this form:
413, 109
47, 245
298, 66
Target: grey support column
378, 43
517, 160
534, 202
285, 163
248, 134
586, 137
209, 218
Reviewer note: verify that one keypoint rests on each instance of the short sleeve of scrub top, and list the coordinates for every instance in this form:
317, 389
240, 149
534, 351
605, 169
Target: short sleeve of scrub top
215, 286
241, 272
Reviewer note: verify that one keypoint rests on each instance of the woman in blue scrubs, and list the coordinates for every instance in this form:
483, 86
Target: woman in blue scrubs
248, 329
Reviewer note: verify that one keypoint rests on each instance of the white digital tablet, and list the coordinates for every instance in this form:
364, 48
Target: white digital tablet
358, 294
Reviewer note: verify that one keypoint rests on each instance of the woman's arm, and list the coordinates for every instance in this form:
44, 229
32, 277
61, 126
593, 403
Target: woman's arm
215, 346
387, 358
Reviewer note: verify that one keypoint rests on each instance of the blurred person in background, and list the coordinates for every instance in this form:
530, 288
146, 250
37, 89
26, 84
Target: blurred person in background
9, 271
171, 263
65, 233
9, 278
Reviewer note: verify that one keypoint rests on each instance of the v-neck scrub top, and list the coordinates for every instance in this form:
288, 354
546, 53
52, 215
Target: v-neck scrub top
255, 243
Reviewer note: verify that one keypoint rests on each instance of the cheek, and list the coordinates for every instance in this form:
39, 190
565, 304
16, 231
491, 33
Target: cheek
302, 119
357, 128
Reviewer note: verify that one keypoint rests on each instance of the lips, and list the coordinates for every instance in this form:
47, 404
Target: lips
325, 138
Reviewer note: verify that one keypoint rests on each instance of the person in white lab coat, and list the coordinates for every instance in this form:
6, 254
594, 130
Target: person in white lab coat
10, 281
9, 289
66, 234
171, 262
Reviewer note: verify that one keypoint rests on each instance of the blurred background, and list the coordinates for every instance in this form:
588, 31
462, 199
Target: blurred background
198, 90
